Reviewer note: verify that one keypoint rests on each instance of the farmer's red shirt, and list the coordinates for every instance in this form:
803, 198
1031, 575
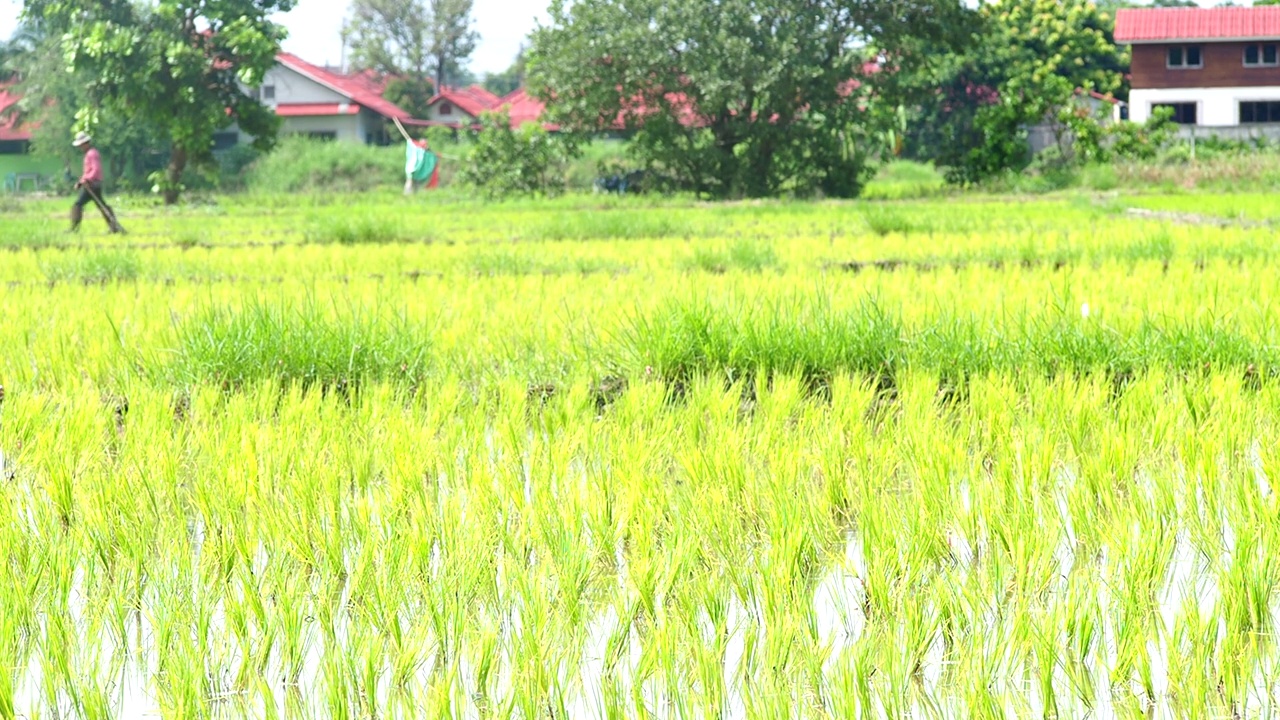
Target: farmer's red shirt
92, 167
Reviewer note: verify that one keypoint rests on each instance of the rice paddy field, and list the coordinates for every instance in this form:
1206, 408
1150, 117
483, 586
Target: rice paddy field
367, 457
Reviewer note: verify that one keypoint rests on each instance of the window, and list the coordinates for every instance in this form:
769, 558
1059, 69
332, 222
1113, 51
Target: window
1183, 113
1184, 57
1260, 112
446, 109
225, 140
322, 134
1261, 56
268, 92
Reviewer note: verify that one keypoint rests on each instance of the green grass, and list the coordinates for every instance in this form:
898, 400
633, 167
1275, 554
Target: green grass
747, 255
621, 224
806, 336
904, 179
91, 266
359, 228
305, 344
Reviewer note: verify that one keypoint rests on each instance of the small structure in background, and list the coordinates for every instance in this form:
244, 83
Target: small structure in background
1215, 68
20, 171
1052, 133
461, 108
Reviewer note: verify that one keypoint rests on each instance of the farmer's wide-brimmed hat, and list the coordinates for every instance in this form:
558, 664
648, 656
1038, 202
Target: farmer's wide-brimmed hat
81, 140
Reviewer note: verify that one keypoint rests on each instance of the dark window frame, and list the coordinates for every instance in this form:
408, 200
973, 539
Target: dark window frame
1260, 52
1258, 112
1179, 111
1184, 60
446, 108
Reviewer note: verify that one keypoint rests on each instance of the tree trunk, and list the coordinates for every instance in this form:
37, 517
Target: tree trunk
173, 175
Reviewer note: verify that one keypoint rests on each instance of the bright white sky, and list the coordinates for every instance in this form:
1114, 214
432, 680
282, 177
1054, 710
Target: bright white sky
314, 25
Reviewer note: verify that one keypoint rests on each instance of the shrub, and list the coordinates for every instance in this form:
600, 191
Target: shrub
302, 164
528, 160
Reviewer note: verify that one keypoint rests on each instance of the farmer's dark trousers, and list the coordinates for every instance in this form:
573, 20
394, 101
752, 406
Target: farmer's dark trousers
84, 198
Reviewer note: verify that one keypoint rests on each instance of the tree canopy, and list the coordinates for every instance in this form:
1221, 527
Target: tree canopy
180, 66
735, 97
1030, 60
421, 44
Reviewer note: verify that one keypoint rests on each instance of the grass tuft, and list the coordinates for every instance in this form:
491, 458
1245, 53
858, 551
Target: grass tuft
305, 345
746, 255
356, 230
92, 267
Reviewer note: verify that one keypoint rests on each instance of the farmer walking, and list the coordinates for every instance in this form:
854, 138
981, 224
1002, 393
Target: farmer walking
90, 185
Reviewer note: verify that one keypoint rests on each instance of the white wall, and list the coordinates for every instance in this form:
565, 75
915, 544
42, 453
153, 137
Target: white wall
347, 127
1217, 107
294, 88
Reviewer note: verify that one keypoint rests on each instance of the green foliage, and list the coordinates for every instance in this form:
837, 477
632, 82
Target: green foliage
1029, 64
173, 66
356, 229
305, 164
51, 99
736, 98
414, 40
744, 254
411, 94
527, 160
306, 344
1131, 141
92, 267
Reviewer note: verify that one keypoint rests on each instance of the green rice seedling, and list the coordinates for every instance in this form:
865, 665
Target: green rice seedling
885, 220
745, 255
93, 267
20, 233
356, 229
302, 344
615, 225
504, 261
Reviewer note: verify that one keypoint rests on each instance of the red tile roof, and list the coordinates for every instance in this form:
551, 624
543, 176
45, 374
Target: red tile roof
470, 100
1147, 25
312, 109
524, 108
359, 88
10, 128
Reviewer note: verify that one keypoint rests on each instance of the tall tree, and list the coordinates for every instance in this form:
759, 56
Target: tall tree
411, 40
52, 97
179, 65
735, 97
390, 36
452, 37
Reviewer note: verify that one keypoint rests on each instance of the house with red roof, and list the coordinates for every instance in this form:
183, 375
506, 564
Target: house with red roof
320, 102
15, 135
1213, 67
460, 107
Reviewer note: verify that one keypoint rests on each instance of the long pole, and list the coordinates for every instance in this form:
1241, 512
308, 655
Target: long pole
106, 211
403, 133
